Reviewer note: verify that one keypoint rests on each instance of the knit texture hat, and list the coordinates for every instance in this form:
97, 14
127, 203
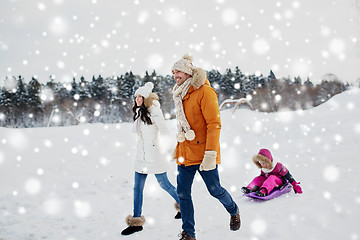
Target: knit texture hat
184, 65
145, 90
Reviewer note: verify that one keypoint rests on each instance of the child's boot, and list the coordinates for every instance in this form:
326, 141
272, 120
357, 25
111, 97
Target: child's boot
247, 190
261, 193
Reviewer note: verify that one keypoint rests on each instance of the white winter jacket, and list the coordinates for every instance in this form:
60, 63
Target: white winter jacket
149, 157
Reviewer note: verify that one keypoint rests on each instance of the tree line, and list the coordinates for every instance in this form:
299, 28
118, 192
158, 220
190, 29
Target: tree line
110, 99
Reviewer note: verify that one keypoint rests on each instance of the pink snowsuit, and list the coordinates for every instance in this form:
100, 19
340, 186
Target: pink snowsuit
276, 178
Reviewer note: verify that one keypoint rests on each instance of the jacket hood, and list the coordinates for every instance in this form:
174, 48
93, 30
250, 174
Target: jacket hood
260, 158
198, 78
149, 101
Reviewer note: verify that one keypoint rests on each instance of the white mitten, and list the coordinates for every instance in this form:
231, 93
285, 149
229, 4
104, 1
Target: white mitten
209, 161
171, 154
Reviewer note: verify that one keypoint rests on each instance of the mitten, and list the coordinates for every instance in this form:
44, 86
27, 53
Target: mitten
171, 154
209, 161
296, 186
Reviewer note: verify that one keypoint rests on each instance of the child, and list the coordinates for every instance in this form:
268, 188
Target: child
273, 174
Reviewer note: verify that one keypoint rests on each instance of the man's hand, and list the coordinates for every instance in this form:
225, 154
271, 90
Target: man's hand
209, 161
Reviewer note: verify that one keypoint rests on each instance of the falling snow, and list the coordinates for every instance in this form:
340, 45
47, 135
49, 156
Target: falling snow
79, 180
68, 39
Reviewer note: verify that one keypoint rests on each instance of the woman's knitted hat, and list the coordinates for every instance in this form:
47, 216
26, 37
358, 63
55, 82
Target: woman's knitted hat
184, 65
145, 90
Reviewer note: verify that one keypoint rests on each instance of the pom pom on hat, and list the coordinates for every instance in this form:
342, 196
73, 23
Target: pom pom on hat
145, 90
188, 57
184, 65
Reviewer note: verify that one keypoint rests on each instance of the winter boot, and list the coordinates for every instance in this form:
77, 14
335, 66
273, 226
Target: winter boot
177, 207
247, 190
185, 236
261, 193
235, 221
135, 225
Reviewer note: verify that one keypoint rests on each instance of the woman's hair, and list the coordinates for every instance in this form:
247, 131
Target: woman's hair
143, 113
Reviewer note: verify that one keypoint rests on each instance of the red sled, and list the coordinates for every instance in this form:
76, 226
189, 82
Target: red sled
276, 192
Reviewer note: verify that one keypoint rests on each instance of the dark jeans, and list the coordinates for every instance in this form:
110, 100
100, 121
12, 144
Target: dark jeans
211, 178
139, 188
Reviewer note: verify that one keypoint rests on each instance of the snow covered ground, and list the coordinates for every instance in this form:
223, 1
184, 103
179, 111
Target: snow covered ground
75, 183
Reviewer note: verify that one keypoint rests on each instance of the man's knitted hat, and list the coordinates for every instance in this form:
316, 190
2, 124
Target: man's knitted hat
184, 65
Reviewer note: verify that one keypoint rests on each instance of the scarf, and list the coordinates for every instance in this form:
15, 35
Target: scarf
183, 126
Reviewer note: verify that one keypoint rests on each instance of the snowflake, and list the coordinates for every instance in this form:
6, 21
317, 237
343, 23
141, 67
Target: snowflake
52, 206
33, 186
261, 46
82, 208
331, 173
58, 26
258, 226
229, 16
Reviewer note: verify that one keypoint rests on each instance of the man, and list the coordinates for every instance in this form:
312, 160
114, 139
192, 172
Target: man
198, 147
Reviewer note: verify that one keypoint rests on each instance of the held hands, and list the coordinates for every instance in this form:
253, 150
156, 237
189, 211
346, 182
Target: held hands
296, 186
171, 154
209, 161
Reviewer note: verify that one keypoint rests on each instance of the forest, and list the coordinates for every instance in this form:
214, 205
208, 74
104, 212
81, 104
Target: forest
109, 100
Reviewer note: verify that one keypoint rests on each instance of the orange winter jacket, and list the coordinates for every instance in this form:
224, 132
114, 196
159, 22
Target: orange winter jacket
202, 112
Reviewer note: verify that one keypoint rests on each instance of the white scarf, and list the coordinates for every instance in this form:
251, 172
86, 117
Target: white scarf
183, 126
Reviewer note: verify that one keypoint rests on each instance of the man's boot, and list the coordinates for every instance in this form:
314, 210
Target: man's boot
235, 222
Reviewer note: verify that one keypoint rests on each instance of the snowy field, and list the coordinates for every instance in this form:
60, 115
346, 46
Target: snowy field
75, 183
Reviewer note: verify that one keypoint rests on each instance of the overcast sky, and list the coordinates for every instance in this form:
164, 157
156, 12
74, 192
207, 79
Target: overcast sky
69, 38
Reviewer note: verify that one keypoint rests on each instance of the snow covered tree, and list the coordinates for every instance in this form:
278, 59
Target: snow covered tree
34, 102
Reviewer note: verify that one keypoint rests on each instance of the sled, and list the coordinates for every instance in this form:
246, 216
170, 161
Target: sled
274, 193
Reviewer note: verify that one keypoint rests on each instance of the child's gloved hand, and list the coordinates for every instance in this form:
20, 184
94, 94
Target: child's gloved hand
296, 186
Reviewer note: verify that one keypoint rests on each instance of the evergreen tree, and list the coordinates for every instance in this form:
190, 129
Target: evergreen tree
308, 83
98, 87
74, 87
34, 90
20, 104
84, 88
127, 88
271, 75
34, 101
239, 83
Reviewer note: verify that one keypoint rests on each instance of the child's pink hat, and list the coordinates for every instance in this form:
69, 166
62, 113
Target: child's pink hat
266, 153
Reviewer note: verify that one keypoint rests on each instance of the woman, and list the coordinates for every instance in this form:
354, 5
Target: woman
148, 122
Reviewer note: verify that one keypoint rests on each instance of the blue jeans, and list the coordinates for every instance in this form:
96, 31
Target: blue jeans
139, 188
211, 178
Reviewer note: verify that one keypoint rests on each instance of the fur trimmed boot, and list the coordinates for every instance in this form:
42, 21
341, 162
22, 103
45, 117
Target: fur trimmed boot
135, 225
177, 207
